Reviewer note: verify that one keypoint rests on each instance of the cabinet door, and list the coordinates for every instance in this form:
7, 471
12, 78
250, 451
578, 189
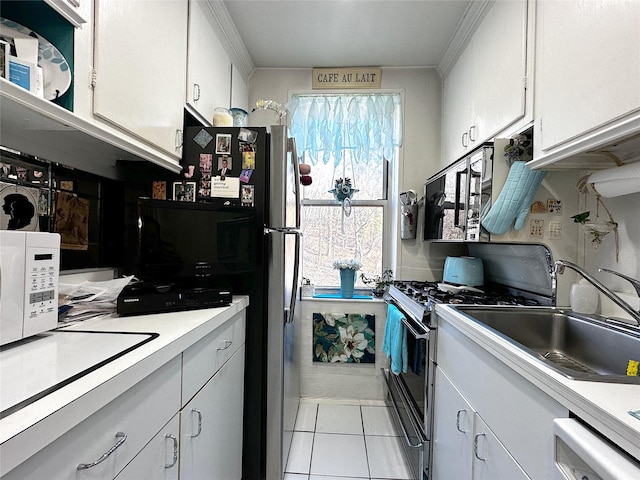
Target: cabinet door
239, 90
587, 69
209, 67
159, 458
491, 461
453, 431
484, 92
140, 68
139, 413
500, 68
211, 426
457, 113
202, 360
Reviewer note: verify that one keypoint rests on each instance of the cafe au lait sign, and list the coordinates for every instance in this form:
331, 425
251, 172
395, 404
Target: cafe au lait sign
345, 78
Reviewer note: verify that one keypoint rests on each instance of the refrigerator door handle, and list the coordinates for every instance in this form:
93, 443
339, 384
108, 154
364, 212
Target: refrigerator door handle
289, 313
268, 230
296, 175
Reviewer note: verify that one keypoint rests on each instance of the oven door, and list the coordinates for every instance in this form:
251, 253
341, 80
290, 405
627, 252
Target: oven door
407, 396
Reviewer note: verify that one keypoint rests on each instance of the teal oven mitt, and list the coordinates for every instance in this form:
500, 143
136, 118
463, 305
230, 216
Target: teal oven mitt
514, 200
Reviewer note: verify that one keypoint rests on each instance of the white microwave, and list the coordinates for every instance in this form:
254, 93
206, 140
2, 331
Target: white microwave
29, 271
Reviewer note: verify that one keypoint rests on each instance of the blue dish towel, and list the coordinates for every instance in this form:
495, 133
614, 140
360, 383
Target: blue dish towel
395, 340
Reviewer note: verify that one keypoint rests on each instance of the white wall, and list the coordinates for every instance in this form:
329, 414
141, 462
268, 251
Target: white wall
341, 380
624, 210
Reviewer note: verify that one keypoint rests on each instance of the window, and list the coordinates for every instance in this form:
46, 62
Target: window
359, 147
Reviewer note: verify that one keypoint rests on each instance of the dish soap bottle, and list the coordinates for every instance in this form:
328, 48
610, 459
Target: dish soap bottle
584, 297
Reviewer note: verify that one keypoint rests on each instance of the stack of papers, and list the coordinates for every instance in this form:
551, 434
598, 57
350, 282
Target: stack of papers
89, 299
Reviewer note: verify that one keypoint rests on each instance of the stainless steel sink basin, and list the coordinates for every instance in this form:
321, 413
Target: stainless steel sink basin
579, 347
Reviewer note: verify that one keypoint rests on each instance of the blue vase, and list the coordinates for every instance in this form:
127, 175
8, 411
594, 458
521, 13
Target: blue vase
347, 282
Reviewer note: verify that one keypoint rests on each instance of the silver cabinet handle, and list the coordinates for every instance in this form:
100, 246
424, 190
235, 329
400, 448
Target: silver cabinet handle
458, 420
227, 344
179, 139
464, 138
472, 131
121, 436
175, 450
196, 92
197, 412
475, 446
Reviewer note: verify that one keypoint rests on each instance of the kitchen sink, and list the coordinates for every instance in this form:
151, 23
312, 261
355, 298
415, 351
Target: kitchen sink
577, 346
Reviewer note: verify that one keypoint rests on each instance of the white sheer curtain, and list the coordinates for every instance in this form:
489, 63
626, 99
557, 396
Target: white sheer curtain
370, 125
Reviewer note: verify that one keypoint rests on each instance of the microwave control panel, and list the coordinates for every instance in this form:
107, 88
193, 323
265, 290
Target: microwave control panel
41, 283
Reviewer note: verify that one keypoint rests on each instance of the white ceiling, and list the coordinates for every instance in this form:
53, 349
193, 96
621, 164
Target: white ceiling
338, 33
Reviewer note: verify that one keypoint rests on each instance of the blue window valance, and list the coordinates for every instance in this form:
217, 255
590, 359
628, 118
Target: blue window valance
325, 126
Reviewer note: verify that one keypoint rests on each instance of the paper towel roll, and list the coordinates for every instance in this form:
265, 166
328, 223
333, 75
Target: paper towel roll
617, 181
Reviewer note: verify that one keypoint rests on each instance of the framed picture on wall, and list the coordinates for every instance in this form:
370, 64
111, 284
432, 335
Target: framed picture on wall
184, 191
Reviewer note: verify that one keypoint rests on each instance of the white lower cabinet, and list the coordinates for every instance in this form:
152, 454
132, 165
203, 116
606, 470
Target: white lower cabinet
211, 426
184, 421
159, 458
506, 421
464, 446
103, 444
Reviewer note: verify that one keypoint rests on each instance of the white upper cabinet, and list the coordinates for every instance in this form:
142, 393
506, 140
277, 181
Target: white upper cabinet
239, 90
69, 10
140, 69
457, 112
484, 92
587, 91
209, 66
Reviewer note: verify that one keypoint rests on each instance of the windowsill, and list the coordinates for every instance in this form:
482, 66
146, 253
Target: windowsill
323, 294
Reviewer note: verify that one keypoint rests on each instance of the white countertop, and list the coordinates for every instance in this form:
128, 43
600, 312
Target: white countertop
602, 405
33, 427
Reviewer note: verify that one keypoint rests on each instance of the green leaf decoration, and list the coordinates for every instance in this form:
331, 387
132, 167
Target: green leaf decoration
581, 217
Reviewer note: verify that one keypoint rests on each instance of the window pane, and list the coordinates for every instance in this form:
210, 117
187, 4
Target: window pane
368, 179
324, 241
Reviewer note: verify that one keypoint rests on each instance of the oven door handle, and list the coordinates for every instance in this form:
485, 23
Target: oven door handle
413, 330
425, 331
421, 438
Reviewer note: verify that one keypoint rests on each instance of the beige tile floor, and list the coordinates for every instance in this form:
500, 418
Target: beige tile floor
345, 441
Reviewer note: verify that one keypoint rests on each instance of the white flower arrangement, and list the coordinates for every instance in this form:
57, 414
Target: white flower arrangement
347, 263
271, 105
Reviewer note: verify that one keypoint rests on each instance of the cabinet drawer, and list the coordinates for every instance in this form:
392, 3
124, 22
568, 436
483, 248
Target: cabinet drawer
159, 458
201, 361
520, 414
139, 413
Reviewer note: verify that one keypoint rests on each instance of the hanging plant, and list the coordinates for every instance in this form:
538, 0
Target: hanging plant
596, 230
343, 189
519, 148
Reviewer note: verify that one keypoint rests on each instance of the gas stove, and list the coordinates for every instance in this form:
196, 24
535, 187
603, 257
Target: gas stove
418, 298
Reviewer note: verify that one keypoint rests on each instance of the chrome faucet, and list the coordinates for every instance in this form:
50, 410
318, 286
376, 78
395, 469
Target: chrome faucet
561, 264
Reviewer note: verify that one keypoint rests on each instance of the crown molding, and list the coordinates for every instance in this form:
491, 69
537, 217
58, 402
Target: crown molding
231, 39
462, 36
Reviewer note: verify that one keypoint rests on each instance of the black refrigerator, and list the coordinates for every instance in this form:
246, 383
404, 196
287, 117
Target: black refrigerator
251, 167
